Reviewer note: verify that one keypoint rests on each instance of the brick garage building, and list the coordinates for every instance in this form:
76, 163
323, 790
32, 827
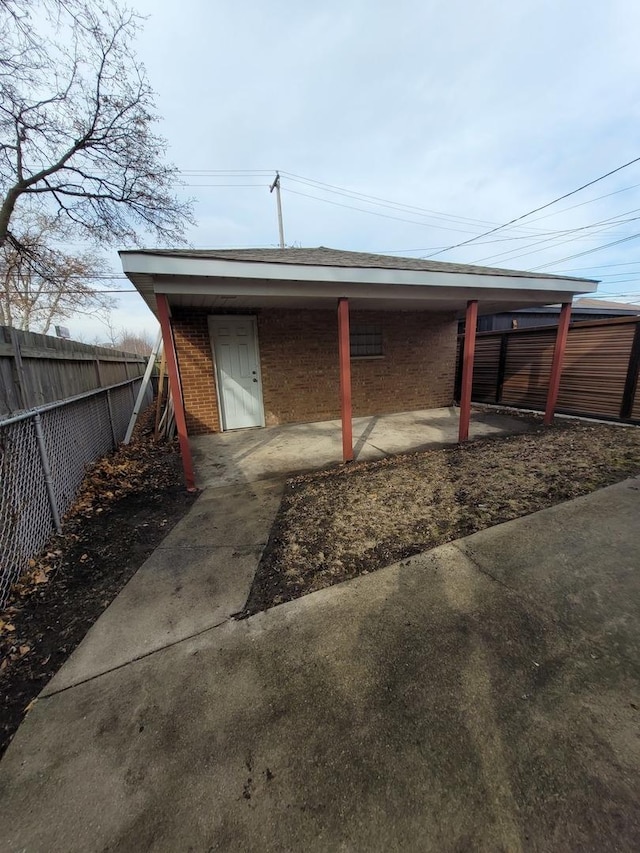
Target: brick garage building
299, 367
259, 337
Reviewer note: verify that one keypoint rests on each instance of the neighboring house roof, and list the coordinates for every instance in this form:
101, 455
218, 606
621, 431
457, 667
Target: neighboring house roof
584, 306
321, 256
606, 305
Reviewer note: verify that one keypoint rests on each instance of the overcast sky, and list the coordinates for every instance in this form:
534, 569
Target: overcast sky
475, 111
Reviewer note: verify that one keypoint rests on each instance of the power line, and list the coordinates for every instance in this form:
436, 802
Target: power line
226, 172
414, 221
603, 266
541, 207
587, 252
583, 203
217, 186
345, 192
613, 222
370, 212
394, 205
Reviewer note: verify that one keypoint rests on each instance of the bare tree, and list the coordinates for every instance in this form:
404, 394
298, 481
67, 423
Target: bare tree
140, 343
77, 120
44, 284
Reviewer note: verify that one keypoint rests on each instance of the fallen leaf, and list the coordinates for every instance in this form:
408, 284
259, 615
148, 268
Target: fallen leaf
30, 705
40, 577
24, 650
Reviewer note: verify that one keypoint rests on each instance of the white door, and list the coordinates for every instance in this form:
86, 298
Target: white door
234, 340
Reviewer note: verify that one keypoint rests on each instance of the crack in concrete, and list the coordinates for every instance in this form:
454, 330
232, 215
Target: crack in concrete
137, 658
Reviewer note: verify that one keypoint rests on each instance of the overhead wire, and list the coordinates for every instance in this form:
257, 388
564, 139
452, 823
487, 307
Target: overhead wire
363, 197
583, 203
587, 252
540, 207
286, 189
609, 223
370, 212
548, 237
382, 202
552, 236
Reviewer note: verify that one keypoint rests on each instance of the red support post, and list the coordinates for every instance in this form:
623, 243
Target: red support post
556, 365
344, 351
176, 390
471, 322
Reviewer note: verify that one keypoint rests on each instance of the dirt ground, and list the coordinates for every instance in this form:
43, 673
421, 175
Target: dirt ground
127, 504
337, 524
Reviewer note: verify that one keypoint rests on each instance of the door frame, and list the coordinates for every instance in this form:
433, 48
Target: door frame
216, 374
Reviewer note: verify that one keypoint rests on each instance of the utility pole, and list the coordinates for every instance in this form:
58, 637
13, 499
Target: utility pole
276, 186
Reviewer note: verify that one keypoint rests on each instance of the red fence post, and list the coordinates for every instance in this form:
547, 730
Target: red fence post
344, 352
176, 391
471, 322
556, 366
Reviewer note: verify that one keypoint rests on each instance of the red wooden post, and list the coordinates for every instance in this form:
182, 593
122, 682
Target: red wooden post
471, 322
176, 390
344, 351
556, 366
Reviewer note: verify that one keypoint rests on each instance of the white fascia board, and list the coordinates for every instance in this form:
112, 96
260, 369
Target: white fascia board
213, 268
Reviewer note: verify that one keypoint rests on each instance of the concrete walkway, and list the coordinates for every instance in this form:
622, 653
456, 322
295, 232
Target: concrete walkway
195, 580
248, 455
484, 696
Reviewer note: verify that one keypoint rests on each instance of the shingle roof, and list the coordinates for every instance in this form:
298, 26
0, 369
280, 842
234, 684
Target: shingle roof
321, 256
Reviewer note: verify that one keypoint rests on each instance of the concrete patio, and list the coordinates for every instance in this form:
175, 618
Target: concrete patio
244, 456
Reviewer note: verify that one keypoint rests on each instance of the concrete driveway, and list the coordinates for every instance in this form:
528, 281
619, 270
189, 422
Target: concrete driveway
484, 696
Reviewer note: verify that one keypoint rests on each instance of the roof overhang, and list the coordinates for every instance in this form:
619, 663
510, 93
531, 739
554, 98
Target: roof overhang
216, 284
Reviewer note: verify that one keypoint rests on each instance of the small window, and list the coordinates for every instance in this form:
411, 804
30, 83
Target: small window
366, 341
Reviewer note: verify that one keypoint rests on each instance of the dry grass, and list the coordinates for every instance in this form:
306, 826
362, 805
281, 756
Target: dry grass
337, 524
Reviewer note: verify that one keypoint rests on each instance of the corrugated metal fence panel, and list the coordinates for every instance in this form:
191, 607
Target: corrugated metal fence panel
595, 369
594, 374
528, 368
485, 369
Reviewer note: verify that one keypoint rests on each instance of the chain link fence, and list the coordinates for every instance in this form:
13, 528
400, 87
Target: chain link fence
44, 454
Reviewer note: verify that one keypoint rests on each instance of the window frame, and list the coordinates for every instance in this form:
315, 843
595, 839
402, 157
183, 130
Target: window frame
366, 349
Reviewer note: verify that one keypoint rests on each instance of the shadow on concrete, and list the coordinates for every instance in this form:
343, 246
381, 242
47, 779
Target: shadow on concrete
427, 706
278, 452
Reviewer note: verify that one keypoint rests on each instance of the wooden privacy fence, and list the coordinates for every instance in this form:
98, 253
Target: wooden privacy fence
38, 369
599, 376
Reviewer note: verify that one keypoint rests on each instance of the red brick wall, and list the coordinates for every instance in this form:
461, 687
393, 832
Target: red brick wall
299, 365
193, 348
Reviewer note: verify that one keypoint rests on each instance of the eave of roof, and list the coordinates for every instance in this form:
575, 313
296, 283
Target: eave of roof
313, 277
324, 257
